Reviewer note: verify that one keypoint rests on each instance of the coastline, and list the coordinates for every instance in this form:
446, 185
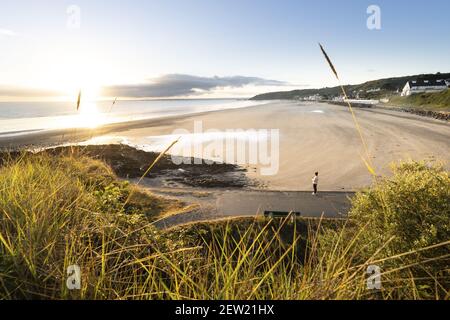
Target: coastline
313, 137
41, 138
434, 114
56, 137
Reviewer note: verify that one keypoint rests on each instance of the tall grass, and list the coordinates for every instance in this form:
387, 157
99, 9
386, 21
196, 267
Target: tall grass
55, 212
368, 159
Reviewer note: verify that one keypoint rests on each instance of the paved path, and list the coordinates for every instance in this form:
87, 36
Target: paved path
218, 204
331, 204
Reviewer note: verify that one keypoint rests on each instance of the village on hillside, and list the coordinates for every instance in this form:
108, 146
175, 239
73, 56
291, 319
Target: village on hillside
428, 91
411, 87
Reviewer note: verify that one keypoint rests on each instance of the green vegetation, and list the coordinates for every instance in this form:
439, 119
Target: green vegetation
431, 101
406, 214
382, 88
56, 211
66, 210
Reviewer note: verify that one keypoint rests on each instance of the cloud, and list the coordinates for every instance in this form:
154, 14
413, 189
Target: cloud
22, 92
7, 32
172, 85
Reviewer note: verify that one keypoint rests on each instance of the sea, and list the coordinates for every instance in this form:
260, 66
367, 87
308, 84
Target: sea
21, 118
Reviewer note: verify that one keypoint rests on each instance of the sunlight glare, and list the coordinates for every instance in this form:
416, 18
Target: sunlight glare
89, 115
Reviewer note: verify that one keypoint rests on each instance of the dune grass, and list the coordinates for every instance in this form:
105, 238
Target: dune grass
65, 210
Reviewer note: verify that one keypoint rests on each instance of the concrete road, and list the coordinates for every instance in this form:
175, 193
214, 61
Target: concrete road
219, 204
331, 204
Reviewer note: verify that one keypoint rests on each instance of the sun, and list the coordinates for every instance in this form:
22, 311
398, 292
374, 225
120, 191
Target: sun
88, 114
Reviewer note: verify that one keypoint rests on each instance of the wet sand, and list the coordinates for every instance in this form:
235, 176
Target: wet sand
313, 137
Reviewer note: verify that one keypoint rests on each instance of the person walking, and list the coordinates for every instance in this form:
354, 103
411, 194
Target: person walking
315, 181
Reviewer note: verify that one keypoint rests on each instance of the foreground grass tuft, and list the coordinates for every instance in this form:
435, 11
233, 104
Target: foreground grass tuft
56, 211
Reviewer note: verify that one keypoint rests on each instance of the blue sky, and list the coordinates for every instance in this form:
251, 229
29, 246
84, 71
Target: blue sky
136, 42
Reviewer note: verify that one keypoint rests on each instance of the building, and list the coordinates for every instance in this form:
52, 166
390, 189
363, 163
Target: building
419, 86
315, 97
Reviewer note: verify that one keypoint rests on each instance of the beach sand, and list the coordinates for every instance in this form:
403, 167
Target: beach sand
313, 137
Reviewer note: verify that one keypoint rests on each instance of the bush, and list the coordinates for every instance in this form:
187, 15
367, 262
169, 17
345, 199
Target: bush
409, 212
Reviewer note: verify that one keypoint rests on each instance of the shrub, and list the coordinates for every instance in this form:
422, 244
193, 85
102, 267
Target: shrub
409, 212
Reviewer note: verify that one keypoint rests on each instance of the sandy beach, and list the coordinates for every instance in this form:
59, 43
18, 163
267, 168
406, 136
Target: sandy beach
312, 137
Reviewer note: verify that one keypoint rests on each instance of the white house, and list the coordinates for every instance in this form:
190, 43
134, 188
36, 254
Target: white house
315, 97
418, 86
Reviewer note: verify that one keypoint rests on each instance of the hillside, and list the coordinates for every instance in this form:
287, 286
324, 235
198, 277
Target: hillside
435, 100
374, 89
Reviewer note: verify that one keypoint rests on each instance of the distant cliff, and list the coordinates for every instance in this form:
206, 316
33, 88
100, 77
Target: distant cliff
374, 89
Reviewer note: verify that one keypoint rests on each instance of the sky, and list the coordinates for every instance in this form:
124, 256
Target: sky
211, 48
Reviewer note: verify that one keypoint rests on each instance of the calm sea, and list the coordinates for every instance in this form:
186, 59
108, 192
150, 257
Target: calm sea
17, 118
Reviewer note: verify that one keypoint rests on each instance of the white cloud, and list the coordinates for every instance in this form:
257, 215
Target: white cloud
7, 33
171, 85
22, 92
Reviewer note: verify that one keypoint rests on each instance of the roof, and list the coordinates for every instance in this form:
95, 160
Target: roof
426, 83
